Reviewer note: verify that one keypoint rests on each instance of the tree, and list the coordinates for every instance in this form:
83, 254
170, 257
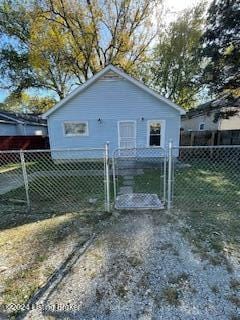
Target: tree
23, 102
176, 65
28, 61
221, 48
56, 44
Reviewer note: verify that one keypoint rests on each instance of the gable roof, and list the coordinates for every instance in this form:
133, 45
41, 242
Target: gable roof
121, 74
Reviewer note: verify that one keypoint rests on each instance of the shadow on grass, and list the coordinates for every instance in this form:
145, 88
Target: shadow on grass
64, 236
207, 195
48, 196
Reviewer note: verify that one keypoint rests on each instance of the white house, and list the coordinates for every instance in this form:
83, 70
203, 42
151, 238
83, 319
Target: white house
114, 107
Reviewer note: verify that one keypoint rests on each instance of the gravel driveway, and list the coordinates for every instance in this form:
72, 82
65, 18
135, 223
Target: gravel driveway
140, 267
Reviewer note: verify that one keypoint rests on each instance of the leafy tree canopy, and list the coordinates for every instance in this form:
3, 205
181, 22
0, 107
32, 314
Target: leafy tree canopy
56, 44
23, 102
176, 66
221, 47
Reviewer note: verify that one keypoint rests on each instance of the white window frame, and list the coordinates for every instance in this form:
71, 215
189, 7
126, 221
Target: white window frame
200, 126
76, 134
162, 135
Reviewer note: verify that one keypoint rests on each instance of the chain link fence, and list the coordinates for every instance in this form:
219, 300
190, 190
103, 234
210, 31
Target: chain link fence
187, 178
139, 178
54, 180
198, 178
205, 178
12, 192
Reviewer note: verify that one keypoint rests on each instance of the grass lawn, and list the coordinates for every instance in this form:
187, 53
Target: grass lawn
32, 251
67, 192
57, 187
207, 199
150, 182
36, 161
56, 195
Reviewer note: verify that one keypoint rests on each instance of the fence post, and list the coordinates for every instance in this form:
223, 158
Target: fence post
114, 178
164, 176
192, 139
107, 180
25, 179
169, 175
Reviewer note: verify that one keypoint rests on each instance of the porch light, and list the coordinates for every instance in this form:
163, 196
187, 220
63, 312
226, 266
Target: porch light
99, 120
142, 118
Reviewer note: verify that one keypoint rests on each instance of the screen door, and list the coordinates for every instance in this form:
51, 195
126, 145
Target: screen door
127, 134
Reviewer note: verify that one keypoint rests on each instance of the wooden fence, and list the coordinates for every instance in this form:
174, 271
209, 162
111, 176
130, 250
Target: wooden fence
23, 142
210, 138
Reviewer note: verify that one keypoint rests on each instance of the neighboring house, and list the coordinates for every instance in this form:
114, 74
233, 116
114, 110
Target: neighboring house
214, 115
114, 107
16, 124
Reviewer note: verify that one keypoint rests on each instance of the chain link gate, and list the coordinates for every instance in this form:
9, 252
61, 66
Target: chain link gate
139, 178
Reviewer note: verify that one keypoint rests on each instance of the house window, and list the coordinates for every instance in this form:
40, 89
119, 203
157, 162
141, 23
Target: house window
202, 126
75, 128
155, 132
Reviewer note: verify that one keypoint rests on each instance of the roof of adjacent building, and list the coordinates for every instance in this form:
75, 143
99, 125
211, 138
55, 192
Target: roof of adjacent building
21, 118
215, 104
113, 71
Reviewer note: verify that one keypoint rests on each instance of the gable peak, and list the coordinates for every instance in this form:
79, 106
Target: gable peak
110, 76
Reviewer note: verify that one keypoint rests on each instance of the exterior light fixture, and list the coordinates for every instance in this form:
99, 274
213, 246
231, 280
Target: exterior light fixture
99, 120
142, 119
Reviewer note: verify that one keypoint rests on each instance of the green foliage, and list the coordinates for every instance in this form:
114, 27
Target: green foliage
176, 65
23, 102
221, 47
18, 70
55, 44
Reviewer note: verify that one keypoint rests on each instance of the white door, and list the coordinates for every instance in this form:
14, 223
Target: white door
127, 134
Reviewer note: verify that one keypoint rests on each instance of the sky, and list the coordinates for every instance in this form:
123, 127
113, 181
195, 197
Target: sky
173, 7
3, 95
178, 5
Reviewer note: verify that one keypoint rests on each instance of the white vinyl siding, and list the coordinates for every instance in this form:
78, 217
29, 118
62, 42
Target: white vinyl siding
112, 102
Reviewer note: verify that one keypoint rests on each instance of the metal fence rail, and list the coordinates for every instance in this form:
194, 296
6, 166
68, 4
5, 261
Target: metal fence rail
54, 180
